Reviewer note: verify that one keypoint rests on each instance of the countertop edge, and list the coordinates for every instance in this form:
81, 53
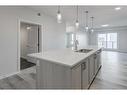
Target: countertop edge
60, 63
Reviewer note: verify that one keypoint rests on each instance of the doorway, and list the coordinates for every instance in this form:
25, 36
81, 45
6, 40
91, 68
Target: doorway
29, 43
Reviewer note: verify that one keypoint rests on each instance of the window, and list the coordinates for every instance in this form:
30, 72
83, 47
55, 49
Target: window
107, 40
102, 40
72, 39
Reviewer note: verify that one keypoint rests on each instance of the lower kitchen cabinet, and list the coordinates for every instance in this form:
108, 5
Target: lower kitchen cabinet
91, 68
95, 64
51, 75
97, 61
99, 58
76, 77
85, 74
80, 78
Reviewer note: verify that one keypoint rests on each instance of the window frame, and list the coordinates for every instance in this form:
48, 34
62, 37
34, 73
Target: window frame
107, 41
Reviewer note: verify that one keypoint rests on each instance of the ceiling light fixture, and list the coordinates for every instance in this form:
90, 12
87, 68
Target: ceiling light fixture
77, 21
117, 8
92, 28
59, 16
86, 26
105, 25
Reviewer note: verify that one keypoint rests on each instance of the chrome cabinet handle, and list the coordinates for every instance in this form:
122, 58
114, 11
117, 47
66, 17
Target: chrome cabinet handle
84, 66
99, 51
27, 45
95, 56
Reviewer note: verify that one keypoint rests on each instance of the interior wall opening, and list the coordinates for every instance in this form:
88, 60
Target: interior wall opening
29, 43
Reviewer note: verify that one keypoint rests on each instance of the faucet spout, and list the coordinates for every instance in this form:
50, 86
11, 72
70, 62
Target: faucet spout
76, 43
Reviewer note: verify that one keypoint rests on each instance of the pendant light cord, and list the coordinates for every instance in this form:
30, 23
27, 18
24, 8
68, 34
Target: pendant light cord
58, 9
77, 14
92, 21
86, 18
92, 18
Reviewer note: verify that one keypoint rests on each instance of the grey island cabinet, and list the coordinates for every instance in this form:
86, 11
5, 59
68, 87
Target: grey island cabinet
67, 69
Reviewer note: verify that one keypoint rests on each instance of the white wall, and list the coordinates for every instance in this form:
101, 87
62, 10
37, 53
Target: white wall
122, 40
53, 35
93, 38
54, 39
122, 37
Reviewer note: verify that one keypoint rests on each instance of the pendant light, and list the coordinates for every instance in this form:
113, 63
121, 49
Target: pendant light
86, 26
77, 21
92, 19
59, 16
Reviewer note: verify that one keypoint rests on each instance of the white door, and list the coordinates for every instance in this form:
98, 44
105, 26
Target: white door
32, 42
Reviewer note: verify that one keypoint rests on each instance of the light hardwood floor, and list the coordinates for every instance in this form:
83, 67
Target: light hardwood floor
26, 79
112, 75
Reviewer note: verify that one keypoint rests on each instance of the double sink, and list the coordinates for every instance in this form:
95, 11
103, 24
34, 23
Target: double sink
84, 50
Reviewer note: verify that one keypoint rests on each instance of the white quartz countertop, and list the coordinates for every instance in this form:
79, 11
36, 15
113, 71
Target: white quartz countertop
66, 57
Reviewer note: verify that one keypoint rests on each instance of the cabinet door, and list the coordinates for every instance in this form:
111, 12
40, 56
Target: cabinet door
95, 64
85, 79
53, 76
91, 68
76, 77
99, 59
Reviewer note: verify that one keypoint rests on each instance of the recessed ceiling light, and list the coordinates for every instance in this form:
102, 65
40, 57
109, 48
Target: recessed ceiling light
105, 25
117, 8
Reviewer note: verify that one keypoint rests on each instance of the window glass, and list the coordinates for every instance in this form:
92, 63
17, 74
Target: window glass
102, 40
108, 40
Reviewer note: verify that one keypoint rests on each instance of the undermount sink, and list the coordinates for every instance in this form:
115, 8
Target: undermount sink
84, 50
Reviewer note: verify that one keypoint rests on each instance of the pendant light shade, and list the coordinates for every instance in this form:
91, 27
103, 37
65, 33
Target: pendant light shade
86, 26
59, 16
77, 21
77, 24
92, 28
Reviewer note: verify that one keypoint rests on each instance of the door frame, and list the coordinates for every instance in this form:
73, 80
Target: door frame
18, 41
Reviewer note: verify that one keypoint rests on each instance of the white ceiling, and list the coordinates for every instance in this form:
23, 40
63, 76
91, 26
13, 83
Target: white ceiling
102, 14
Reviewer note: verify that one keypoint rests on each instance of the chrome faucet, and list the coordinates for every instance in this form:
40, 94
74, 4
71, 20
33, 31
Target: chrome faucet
76, 43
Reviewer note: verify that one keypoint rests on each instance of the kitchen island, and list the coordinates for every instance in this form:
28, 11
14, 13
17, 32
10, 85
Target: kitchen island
67, 68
